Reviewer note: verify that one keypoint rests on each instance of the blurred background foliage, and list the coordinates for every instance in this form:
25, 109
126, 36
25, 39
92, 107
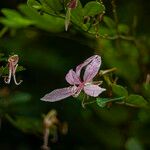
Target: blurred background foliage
36, 32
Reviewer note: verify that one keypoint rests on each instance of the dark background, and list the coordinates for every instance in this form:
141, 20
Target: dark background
47, 58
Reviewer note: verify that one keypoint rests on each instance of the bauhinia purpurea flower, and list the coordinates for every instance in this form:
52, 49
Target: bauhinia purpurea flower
78, 82
12, 66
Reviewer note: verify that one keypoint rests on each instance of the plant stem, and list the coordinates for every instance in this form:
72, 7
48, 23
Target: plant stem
103, 72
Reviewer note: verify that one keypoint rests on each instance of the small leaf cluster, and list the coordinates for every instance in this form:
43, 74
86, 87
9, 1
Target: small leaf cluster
50, 15
120, 95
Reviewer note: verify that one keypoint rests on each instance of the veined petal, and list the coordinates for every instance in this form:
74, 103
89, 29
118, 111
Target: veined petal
78, 91
93, 90
92, 69
86, 62
72, 78
59, 94
78, 69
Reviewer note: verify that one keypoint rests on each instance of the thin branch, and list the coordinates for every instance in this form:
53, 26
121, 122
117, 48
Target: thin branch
113, 3
91, 102
103, 72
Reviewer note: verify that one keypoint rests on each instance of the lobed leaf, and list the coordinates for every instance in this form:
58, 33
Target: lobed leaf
46, 22
123, 29
136, 100
33, 3
146, 90
93, 8
5, 71
26, 124
19, 98
14, 19
102, 102
119, 90
109, 22
77, 16
55, 5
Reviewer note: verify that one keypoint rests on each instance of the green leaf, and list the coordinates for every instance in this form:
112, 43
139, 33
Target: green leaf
19, 98
147, 86
47, 6
3, 31
131, 52
46, 22
109, 22
103, 101
46, 9
133, 144
10, 13
77, 16
34, 4
31, 2
136, 100
119, 90
93, 8
5, 70
55, 5
2, 57
20, 68
14, 19
26, 124
123, 29
146, 90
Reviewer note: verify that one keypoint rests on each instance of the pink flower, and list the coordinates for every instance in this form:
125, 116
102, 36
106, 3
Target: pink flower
12, 65
86, 84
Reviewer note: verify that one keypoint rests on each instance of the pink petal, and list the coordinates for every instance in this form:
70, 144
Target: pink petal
86, 62
78, 91
92, 69
93, 90
59, 94
78, 69
72, 78
13, 59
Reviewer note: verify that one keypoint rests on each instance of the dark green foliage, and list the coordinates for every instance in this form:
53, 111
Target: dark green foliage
119, 90
117, 119
14, 19
136, 100
102, 102
93, 8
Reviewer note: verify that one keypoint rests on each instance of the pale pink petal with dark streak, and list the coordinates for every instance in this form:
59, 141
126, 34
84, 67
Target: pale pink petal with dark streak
59, 94
78, 70
93, 90
72, 78
92, 69
85, 63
